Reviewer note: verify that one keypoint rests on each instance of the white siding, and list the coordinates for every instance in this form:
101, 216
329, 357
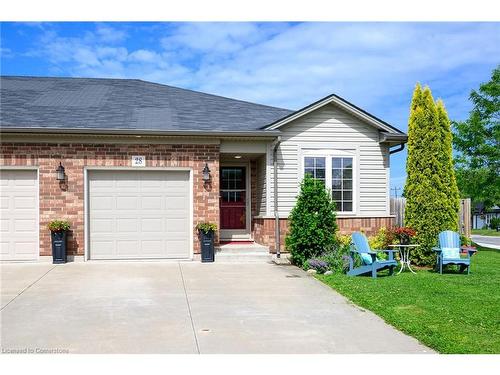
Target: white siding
331, 128
261, 185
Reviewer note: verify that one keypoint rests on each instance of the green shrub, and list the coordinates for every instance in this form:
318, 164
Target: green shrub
312, 223
382, 239
495, 223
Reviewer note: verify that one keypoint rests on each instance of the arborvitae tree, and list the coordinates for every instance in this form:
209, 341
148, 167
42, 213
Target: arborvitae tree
312, 222
451, 198
430, 189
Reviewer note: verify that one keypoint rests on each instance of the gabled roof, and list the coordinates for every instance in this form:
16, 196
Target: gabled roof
342, 103
131, 106
124, 105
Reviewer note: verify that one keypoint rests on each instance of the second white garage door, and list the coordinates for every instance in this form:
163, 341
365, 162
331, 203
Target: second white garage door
18, 215
139, 214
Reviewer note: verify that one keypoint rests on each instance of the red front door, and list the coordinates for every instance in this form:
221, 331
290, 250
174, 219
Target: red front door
232, 198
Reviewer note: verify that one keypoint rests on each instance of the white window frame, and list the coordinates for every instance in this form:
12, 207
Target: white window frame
328, 155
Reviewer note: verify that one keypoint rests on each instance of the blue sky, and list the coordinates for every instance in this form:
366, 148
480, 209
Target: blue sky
373, 65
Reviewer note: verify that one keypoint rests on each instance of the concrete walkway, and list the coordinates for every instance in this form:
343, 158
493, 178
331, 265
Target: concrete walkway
487, 241
162, 307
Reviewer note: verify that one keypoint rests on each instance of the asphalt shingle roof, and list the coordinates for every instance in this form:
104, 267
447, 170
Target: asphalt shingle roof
128, 104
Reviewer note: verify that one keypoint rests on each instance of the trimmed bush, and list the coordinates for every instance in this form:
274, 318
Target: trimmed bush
312, 223
495, 223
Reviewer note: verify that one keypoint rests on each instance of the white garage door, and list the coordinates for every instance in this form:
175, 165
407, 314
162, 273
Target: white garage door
18, 215
139, 214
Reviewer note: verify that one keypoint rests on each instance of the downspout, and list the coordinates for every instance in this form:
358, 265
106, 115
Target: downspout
400, 148
275, 145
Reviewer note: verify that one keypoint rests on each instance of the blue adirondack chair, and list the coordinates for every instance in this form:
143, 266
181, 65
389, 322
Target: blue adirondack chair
448, 252
360, 246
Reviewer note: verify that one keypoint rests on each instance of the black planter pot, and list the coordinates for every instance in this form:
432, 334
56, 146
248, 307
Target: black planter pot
59, 247
207, 247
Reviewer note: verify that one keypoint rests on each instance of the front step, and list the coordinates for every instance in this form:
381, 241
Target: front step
244, 253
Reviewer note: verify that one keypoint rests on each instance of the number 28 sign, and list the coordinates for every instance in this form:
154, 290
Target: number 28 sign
138, 161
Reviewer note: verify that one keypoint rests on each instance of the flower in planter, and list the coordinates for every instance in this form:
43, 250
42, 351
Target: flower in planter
404, 234
206, 227
58, 225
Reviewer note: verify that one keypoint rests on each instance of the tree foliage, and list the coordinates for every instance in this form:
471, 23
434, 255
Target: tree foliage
477, 141
312, 222
432, 200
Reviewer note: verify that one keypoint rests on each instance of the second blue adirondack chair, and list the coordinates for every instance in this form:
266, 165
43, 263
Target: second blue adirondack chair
360, 246
448, 252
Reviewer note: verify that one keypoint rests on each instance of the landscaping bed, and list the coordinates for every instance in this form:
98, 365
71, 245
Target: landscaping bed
451, 313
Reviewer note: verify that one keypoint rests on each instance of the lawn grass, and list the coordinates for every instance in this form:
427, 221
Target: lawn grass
451, 313
486, 232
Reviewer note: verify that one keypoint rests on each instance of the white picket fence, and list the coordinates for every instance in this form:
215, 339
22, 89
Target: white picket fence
464, 215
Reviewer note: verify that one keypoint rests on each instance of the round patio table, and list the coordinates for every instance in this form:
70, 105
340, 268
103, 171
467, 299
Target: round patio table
404, 256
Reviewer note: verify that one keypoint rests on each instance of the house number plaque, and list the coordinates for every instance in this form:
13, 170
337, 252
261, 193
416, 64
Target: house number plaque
138, 161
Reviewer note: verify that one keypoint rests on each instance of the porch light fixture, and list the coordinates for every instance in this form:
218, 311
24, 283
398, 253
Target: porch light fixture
206, 173
237, 156
60, 173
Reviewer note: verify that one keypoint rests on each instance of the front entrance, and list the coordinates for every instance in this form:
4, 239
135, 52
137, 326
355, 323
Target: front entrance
233, 202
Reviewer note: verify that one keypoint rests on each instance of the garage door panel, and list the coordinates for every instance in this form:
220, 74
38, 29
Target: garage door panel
25, 202
153, 247
126, 203
5, 225
25, 225
25, 248
24, 178
101, 202
102, 249
19, 215
126, 225
176, 226
127, 247
4, 248
4, 202
135, 205
152, 224
101, 225
175, 246
153, 202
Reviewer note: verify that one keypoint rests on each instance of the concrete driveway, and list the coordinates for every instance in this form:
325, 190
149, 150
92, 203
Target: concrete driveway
163, 307
492, 242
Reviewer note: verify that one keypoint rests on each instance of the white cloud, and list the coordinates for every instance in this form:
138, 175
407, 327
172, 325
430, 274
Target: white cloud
144, 56
290, 65
6, 53
217, 38
108, 34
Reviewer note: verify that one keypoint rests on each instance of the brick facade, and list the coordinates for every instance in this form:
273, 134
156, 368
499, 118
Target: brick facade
369, 225
263, 228
264, 234
66, 200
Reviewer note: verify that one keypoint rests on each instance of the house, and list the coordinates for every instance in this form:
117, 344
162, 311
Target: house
481, 216
134, 153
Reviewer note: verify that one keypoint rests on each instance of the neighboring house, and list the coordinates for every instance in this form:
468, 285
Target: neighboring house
481, 217
134, 154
